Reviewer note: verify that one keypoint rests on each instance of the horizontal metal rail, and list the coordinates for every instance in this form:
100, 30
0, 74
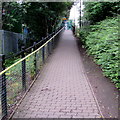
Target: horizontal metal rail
16, 79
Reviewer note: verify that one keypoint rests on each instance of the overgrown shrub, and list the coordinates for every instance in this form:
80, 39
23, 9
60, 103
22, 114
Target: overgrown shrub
83, 33
102, 43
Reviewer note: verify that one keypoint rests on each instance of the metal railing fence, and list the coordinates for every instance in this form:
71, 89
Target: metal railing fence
16, 79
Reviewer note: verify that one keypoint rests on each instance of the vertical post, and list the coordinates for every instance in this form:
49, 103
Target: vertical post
43, 54
50, 47
1, 15
3, 90
35, 61
53, 41
23, 70
80, 14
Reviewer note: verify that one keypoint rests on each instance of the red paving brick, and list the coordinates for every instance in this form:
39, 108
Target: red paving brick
62, 89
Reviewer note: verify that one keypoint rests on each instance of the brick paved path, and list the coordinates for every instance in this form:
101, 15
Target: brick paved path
62, 89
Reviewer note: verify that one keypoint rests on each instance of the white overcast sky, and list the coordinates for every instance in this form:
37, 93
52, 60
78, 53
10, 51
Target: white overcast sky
75, 12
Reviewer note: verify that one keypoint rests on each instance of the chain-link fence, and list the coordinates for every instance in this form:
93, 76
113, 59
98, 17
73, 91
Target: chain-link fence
16, 79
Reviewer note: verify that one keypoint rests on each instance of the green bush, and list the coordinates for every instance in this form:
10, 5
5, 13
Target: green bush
83, 33
102, 43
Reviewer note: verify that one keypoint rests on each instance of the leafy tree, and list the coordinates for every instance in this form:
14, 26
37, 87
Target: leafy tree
41, 18
12, 18
45, 16
97, 11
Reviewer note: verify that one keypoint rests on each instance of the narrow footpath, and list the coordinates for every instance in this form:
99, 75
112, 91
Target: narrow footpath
62, 90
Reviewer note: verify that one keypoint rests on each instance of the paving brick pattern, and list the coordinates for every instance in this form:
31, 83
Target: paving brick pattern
62, 89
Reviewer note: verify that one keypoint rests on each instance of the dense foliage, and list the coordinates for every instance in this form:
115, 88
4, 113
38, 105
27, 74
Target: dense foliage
97, 11
102, 43
12, 16
100, 37
41, 18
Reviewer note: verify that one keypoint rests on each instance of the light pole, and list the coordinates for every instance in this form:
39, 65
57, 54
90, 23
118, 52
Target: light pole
80, 13
1, 15
75, 17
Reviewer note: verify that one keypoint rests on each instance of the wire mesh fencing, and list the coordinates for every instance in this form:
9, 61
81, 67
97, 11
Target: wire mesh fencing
13, 79
17, 79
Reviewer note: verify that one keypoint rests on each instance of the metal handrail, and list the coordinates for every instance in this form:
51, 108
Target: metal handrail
29, 54
14, 79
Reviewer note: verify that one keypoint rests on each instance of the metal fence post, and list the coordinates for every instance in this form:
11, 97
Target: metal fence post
43, 54
23, 70
48, 44
35, 61
3, 91
51, 44
54, 42
50, 47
